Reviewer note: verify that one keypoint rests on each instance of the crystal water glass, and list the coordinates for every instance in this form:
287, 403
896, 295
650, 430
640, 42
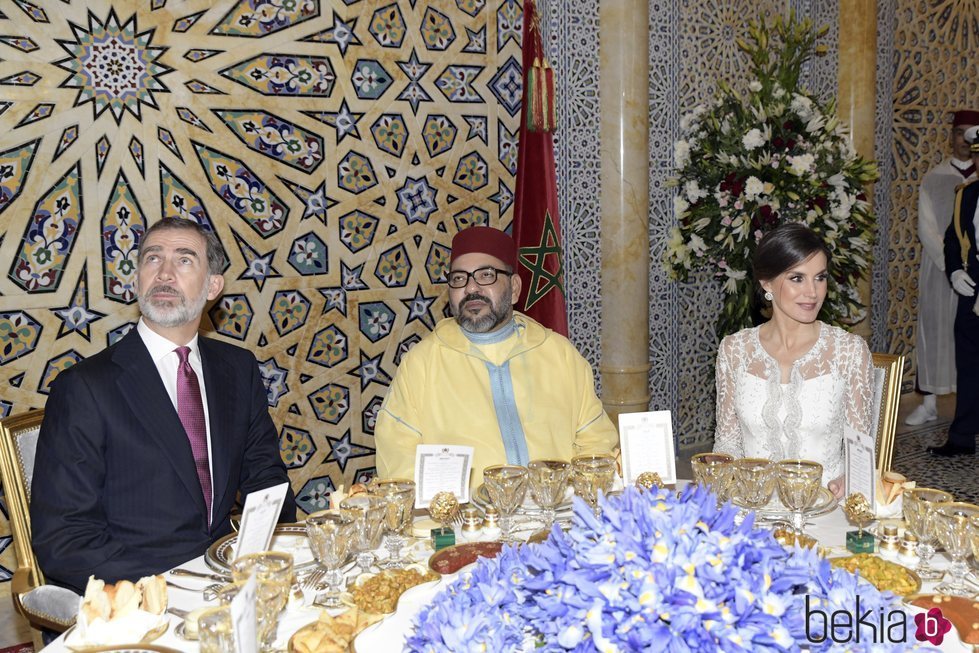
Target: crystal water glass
272, 566
592, 475
714, 470
398, 495
798, 483
754, 482
266, 619
919, 512
506, 485
548, 483
214, 631
955, 533
367, 516
329, 538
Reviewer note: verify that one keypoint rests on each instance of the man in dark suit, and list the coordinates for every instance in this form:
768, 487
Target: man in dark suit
962, 268
146, 446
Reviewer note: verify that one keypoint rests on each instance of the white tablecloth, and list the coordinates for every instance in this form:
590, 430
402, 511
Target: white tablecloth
829, 530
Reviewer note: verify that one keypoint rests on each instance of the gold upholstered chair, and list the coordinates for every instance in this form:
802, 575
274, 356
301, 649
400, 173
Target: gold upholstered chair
888, 370
44, 606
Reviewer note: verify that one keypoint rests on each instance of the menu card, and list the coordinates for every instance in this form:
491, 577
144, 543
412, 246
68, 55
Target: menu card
861, 467
243, 617
646, 440
441, 468
258, 519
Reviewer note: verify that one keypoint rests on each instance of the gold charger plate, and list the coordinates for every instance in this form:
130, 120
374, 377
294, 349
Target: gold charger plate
219, 555
871, 567
453, 558
143, 645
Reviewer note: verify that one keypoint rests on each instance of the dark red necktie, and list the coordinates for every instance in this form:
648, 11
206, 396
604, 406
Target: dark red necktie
191, 413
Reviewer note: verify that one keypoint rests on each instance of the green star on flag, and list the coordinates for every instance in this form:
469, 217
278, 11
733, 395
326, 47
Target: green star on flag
535, 259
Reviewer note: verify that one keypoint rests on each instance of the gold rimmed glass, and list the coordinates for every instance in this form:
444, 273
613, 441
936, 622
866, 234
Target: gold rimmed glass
798, 483
269, 567
506, 485
955, 534
367, 516
266, 619
398, 495
329, 537
754, 482
548, 483
714, 470
214, 631
919, 513
592, 475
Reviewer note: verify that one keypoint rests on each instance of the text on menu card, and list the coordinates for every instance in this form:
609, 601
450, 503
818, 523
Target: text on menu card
258, 519
646, 440
441, 468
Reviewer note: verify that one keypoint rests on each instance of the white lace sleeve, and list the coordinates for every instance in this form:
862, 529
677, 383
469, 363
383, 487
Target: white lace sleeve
727, 436
857, 369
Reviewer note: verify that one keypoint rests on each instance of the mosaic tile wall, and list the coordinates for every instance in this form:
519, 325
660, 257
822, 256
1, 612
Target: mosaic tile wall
934, 73
334, 146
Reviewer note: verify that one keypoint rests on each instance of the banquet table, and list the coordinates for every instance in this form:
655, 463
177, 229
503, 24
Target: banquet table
829, 530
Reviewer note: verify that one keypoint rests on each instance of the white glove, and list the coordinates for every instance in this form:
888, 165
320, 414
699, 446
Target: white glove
963, 283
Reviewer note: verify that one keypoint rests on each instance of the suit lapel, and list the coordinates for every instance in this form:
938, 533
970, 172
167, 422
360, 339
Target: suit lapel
142, 388
218, 380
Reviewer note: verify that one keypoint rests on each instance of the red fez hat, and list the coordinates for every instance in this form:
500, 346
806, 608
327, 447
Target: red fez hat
485, 240
965, 118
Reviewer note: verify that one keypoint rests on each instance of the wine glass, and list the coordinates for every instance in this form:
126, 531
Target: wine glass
214, 631
918, 505
955, 534
592, 475
506, 485
798, 483
274, 567
714, 470
329, 538
398, 495
548, 482
366, 514
754, 481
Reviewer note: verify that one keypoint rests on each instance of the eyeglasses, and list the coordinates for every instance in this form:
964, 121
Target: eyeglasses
483, 277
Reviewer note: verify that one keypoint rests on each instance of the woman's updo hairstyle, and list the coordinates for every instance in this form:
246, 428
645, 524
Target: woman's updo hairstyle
783, 247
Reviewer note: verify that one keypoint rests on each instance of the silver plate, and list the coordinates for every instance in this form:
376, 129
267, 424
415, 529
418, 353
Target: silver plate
290, 538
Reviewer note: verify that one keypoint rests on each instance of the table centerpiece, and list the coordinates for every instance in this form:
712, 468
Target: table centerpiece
657, 571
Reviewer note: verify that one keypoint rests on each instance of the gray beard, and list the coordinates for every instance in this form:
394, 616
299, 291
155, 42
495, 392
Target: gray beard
170, 317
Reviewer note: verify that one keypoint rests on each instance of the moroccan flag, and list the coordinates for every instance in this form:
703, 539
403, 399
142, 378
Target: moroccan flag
536, 228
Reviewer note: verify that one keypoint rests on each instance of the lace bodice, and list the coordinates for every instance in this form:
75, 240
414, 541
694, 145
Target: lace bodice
829, 394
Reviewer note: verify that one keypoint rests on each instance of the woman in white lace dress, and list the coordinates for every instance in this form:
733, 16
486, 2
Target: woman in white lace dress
794, 386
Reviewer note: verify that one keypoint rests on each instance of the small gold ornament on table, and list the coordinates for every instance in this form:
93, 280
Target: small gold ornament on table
648, 480
443, 508
857, 509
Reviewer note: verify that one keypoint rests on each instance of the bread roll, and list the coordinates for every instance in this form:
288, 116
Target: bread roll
125, 599
154, 591
96, 603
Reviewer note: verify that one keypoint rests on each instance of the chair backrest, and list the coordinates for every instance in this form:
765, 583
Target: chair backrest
888, 370
18, 443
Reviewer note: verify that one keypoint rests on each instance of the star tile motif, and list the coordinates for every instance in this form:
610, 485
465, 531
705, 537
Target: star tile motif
258, 267
344, 121
342, 34
77, 317
274, 379
420, 308
342, 450
370, 371
336, 299
315, 202
113, 66
350, 278
413, 93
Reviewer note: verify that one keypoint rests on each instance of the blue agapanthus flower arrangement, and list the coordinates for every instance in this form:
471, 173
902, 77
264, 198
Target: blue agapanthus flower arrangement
659, 572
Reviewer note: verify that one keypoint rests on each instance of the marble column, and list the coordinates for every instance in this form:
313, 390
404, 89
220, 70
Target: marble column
858, 94
624, 102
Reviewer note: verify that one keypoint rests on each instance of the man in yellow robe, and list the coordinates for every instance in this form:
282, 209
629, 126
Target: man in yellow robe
490, 378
